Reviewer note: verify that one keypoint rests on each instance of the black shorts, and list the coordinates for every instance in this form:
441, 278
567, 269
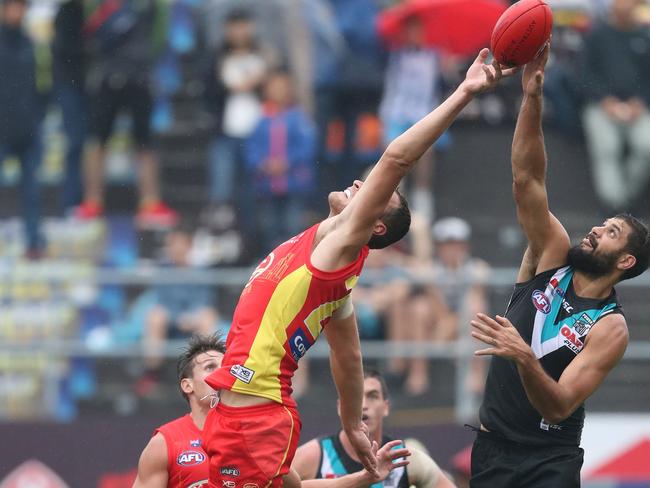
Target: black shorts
116, 93
497, 462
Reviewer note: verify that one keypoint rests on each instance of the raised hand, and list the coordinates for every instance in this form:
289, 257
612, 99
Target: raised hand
389, 458
481, 77
532, 79
501, 335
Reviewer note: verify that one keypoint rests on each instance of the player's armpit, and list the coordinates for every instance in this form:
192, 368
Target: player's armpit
306, 460
548, 245
152, 466
604, 347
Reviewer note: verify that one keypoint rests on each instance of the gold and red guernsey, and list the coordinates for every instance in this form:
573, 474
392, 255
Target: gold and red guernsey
281, 312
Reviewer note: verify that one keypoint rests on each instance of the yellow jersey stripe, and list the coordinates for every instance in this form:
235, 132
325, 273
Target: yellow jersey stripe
267, 351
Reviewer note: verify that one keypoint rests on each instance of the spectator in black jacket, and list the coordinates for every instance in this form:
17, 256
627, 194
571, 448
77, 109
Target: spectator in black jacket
68, 69
616, 119
21, 114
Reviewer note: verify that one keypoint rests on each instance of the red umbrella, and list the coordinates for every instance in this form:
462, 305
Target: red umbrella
460, 27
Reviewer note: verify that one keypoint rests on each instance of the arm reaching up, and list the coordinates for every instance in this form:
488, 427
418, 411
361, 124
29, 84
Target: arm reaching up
367, 203
548, 242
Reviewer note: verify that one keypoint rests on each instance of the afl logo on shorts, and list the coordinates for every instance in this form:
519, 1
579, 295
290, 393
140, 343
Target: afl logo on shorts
541, 302
190, 458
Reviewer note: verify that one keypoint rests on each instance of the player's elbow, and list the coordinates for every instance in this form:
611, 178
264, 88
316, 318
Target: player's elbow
556, 418
397, 156
559, 414
523, 186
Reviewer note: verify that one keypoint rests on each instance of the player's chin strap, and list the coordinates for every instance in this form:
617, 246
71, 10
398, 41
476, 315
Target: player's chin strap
214, 399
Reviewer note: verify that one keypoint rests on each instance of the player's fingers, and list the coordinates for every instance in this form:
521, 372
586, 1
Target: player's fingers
504, 322
399, 464
481, 326
484, 338
490, 351
510, 71
497, 68
392, 444
399, 453
482, 55
482, 329
488, 74
487, 320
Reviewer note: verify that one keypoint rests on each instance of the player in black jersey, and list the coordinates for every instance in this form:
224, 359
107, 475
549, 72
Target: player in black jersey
563, 330
332, 457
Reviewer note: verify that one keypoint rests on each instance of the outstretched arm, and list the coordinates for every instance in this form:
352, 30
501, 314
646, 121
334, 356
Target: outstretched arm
548, 242
358, 218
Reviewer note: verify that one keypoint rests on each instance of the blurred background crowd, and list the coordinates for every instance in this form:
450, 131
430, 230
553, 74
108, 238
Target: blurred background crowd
154, 150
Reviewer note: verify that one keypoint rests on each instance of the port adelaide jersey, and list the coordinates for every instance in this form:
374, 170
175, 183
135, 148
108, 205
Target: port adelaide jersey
555, 322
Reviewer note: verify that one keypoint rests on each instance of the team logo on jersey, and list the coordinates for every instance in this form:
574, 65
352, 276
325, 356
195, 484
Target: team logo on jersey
199, 484
195, 443
541, 301
230, 471
298, 344
571, 339
250, 485
555, 287
190, 458
242, 373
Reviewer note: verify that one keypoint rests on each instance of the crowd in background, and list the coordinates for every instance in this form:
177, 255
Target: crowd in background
303, 95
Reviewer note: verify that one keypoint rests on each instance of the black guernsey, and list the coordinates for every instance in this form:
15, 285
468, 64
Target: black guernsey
335, 462
554, 321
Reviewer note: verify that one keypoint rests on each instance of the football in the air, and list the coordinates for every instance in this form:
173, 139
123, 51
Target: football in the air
521, 32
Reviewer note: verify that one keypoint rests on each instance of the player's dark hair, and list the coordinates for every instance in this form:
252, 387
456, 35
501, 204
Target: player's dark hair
397, 221
638, 245
374, 373
198, 344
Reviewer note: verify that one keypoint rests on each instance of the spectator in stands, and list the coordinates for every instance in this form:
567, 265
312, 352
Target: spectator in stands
348, 72
122, 35
236, 72
616, 119
437, 311
280, 156
178, 310
68, 69
21, 114
412, 90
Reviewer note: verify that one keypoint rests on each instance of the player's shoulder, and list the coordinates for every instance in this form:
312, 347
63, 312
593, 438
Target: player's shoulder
155, 452
307, 459
612, 328
310, 448
173, 424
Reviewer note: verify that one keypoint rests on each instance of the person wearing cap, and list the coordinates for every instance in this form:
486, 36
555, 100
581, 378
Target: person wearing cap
435, 311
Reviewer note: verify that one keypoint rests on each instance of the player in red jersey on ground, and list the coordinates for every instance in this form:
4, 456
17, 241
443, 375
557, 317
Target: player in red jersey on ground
300, 289
175, 458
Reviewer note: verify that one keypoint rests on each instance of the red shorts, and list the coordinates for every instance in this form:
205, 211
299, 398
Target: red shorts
250, 447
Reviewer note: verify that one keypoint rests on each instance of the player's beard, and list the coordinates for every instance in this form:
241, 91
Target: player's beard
590, 263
